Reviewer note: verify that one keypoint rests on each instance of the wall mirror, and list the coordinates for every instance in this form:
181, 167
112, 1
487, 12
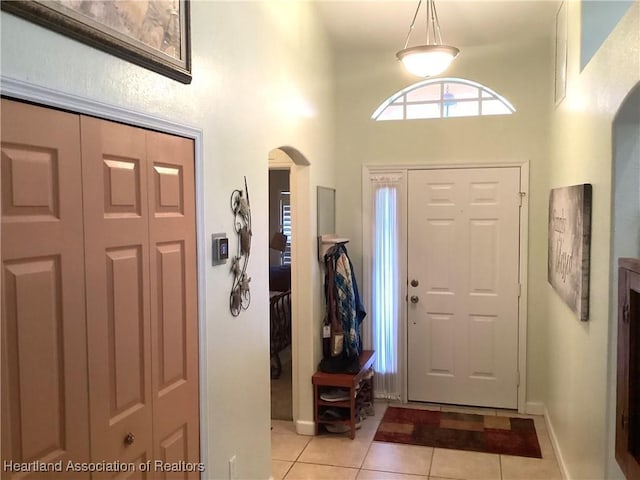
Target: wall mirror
326, 211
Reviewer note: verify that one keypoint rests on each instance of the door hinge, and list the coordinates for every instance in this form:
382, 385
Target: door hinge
520, 197
519, 290
518, 379
625, 313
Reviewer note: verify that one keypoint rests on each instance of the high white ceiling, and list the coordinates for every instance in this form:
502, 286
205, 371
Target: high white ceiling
378, 24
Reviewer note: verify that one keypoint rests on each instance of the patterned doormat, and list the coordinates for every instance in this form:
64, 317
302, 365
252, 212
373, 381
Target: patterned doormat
460, 431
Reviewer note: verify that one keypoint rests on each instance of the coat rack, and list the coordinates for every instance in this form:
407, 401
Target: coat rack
325, 242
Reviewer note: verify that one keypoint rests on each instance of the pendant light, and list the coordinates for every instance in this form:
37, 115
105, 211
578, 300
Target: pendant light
434, 57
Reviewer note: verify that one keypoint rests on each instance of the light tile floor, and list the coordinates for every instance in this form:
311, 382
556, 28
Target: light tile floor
337, 457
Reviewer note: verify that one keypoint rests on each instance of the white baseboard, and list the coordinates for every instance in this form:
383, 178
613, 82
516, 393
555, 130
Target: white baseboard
554, 443
534, 408
305, 427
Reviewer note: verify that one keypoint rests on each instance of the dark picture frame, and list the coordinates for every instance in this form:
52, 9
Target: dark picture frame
100, 29
569, 259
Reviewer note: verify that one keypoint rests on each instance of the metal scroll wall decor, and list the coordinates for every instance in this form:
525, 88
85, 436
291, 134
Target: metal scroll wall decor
240, 297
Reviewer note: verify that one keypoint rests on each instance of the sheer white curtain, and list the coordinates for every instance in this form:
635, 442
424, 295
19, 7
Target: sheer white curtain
385, 284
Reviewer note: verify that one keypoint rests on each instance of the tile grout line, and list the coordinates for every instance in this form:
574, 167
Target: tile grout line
302, 451
365, 457
288, 470
433, 452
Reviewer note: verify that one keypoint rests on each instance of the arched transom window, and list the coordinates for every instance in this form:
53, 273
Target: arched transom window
443, 98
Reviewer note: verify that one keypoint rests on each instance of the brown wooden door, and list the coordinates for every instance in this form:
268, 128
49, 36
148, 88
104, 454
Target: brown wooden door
173, 300
627, 448
99, 319
45, 415
141, 294
116, 230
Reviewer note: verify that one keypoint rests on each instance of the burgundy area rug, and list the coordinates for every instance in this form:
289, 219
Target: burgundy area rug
460, 431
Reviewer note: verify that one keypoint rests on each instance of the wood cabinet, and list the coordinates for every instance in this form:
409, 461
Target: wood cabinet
353, 382
628, 377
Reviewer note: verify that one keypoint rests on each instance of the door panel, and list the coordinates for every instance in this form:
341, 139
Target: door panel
38, 351
464, 252
44, 369
171, 320
117, 276
125, 326
442, 360
173, 298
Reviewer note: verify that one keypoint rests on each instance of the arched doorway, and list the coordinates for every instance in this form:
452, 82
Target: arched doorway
626, 178
625, 226
289, 158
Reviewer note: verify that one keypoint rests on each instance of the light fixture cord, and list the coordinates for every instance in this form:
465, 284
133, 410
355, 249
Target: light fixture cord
429, 27
434, 37
437, 38
413, 22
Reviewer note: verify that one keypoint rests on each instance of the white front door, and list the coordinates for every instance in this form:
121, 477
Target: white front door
463, 269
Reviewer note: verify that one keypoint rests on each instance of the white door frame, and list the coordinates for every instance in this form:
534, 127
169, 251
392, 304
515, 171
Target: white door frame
371, 169
21, 90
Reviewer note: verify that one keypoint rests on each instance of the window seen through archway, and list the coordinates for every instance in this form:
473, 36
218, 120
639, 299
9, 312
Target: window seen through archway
443, 98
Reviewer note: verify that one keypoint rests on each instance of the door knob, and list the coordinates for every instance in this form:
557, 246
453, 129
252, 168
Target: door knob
415, 283
414, 299
129, 439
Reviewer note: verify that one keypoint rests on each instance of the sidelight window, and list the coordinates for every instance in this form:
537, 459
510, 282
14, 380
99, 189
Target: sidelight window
385, 282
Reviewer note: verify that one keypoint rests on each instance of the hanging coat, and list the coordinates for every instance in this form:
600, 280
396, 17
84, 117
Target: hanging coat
340, 283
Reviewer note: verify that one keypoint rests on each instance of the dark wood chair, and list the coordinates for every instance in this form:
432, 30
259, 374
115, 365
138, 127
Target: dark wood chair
280, 329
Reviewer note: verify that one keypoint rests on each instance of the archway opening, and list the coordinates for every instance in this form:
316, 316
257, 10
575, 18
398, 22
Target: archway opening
291, 160
625, 228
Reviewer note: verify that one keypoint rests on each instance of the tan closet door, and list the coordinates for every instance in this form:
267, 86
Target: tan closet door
174, 325
117, 274
45, 414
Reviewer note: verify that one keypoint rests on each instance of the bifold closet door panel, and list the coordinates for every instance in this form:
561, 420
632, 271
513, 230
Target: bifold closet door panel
117, 275
45, 415
174, 324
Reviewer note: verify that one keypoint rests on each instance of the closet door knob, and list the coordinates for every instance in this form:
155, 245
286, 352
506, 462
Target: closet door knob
415, 283
414, 299
129, 439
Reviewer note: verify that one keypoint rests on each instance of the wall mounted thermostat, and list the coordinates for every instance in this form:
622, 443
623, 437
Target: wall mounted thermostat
220, 248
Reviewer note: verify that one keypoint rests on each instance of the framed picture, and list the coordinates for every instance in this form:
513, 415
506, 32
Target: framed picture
560, 88
151, 33
569, 246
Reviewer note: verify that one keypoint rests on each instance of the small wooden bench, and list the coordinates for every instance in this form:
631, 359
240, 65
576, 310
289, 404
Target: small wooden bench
342, 380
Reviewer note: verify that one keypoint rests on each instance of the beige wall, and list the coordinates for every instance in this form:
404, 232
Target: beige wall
521, 73
578, 377
261, 80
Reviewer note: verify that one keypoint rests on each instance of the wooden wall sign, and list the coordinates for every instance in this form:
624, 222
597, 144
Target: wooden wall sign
569, 246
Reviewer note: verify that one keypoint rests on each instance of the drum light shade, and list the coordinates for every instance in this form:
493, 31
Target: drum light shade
427, 60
